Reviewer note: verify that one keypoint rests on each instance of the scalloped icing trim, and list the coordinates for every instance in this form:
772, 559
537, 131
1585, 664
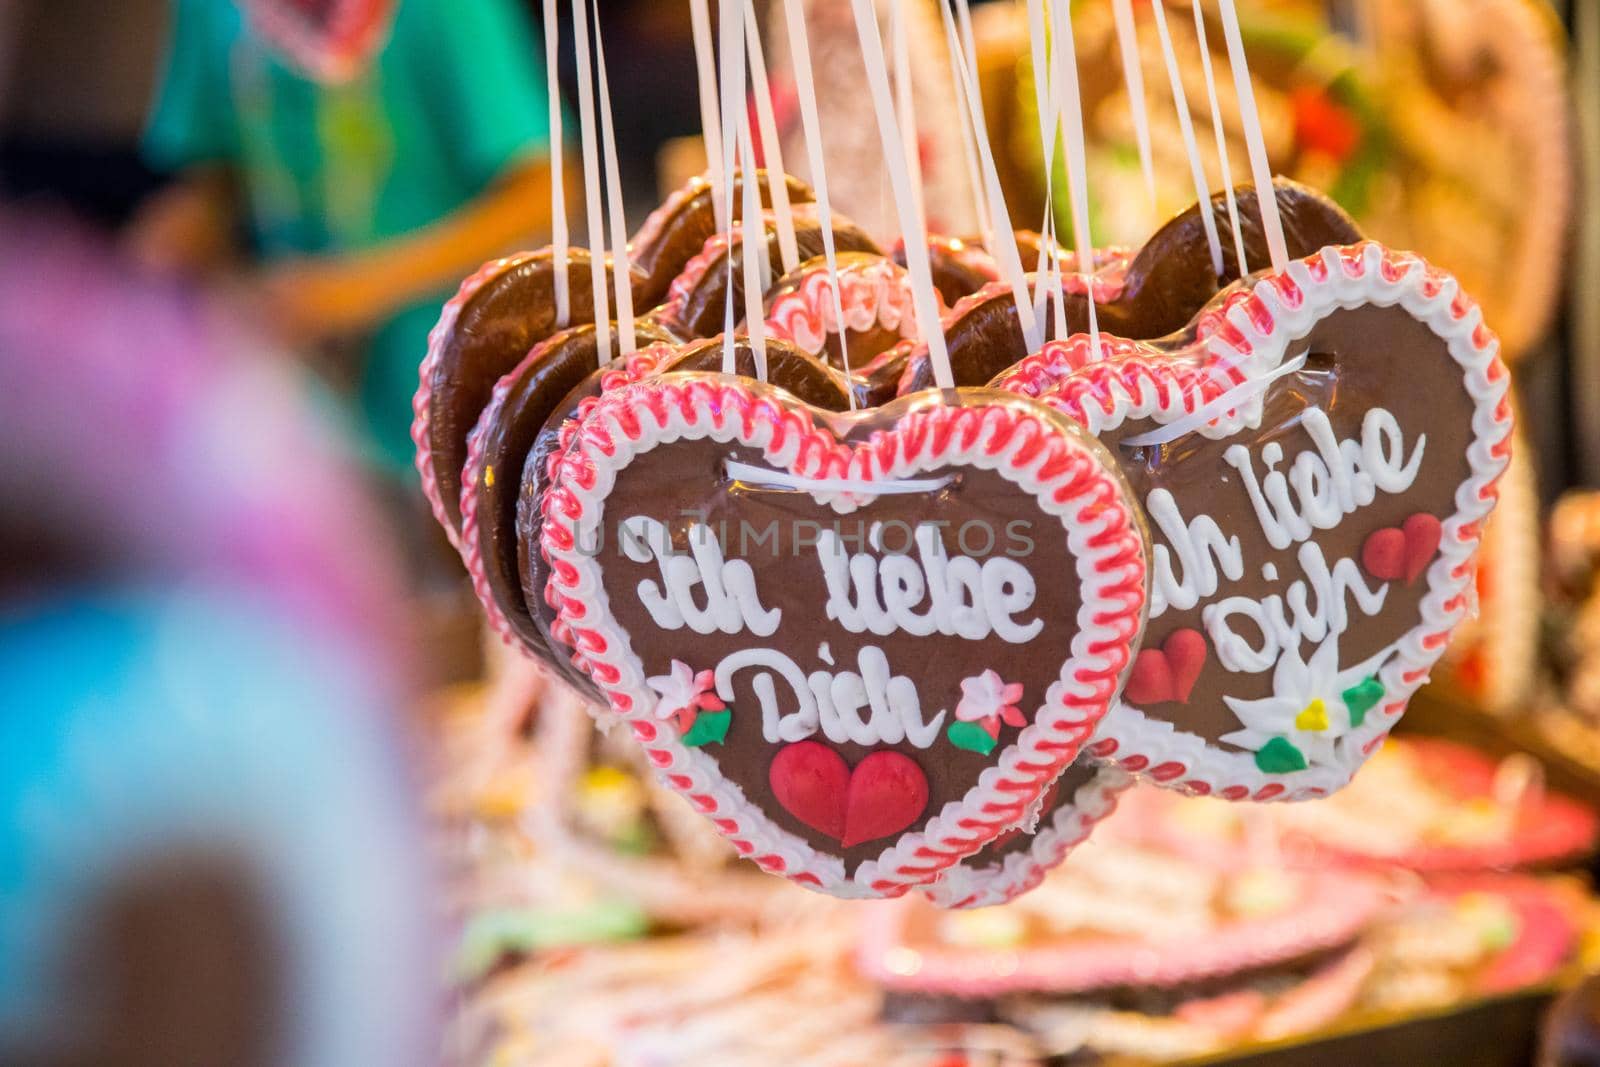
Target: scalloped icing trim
876, 293
1026, 448
1069, 826
1246, 334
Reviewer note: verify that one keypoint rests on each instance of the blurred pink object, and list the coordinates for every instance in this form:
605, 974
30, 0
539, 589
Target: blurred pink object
144, 430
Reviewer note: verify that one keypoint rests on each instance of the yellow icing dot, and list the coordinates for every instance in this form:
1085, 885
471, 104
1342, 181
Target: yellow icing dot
1314, 718
488, 476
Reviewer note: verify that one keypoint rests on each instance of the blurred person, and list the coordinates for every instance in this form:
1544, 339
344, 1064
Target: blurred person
368, 190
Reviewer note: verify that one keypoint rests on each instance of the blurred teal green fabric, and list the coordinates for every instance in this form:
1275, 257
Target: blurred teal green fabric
455, 97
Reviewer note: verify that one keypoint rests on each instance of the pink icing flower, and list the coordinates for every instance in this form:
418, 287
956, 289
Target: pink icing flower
988, 701
682, 694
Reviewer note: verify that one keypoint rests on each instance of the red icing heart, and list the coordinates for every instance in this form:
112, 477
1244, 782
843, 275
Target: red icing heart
1169, 672
882, 796
1402, 552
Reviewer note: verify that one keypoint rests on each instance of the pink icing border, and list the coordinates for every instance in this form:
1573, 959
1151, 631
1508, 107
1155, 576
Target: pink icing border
874, 293
424, 395
1068, 826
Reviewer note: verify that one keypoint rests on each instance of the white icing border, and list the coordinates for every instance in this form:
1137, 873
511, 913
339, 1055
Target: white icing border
1023, 442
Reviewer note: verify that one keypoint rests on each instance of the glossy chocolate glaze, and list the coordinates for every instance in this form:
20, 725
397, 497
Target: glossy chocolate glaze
1167, 283
667, 482
497, 326
535, 389
701, 311
1357, 359
664, 244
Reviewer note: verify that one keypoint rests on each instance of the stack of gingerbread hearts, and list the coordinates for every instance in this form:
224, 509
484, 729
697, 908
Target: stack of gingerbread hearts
831, 672
899, 579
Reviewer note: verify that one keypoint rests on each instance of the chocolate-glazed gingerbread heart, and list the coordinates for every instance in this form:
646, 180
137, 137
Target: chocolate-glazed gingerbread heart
961, 265
497, 449
1161, 289
788, 368
697, 300
1018, 860
1316, 464
874, 293
676, 231
485, 330
799, 614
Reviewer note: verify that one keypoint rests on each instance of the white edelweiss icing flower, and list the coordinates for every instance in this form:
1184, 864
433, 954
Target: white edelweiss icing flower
1307, 706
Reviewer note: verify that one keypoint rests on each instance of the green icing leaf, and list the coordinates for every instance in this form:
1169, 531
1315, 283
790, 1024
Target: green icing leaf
709, 728
970, 736
1360, 698
1278, 756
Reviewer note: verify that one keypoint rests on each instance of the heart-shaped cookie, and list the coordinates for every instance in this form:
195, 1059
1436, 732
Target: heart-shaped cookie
1018, 860
955, 580
1316, 465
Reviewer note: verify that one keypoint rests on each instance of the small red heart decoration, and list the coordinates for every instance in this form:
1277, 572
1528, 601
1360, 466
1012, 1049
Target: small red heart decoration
1150, 681
1423, 534
882, 796
887, 793
1167, 673
1403, 552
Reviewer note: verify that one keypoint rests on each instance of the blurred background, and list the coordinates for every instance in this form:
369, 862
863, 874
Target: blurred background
272, 794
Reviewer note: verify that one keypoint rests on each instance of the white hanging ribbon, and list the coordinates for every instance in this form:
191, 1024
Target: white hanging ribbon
559, 240
591, 179
771, 148
1223, 404
710, 122
1066, 56
1180, 100
1221, 137
1255, 141
905, 103
769, 478
1003, 246
1047, 294
806, 90
622, 273
916, 238
1133, 77
730, 17
755, 236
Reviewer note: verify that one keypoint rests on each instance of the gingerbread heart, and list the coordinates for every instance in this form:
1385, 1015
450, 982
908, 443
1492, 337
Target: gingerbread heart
1359, 391
874, 296
330, 40
955, 581
1018, 860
